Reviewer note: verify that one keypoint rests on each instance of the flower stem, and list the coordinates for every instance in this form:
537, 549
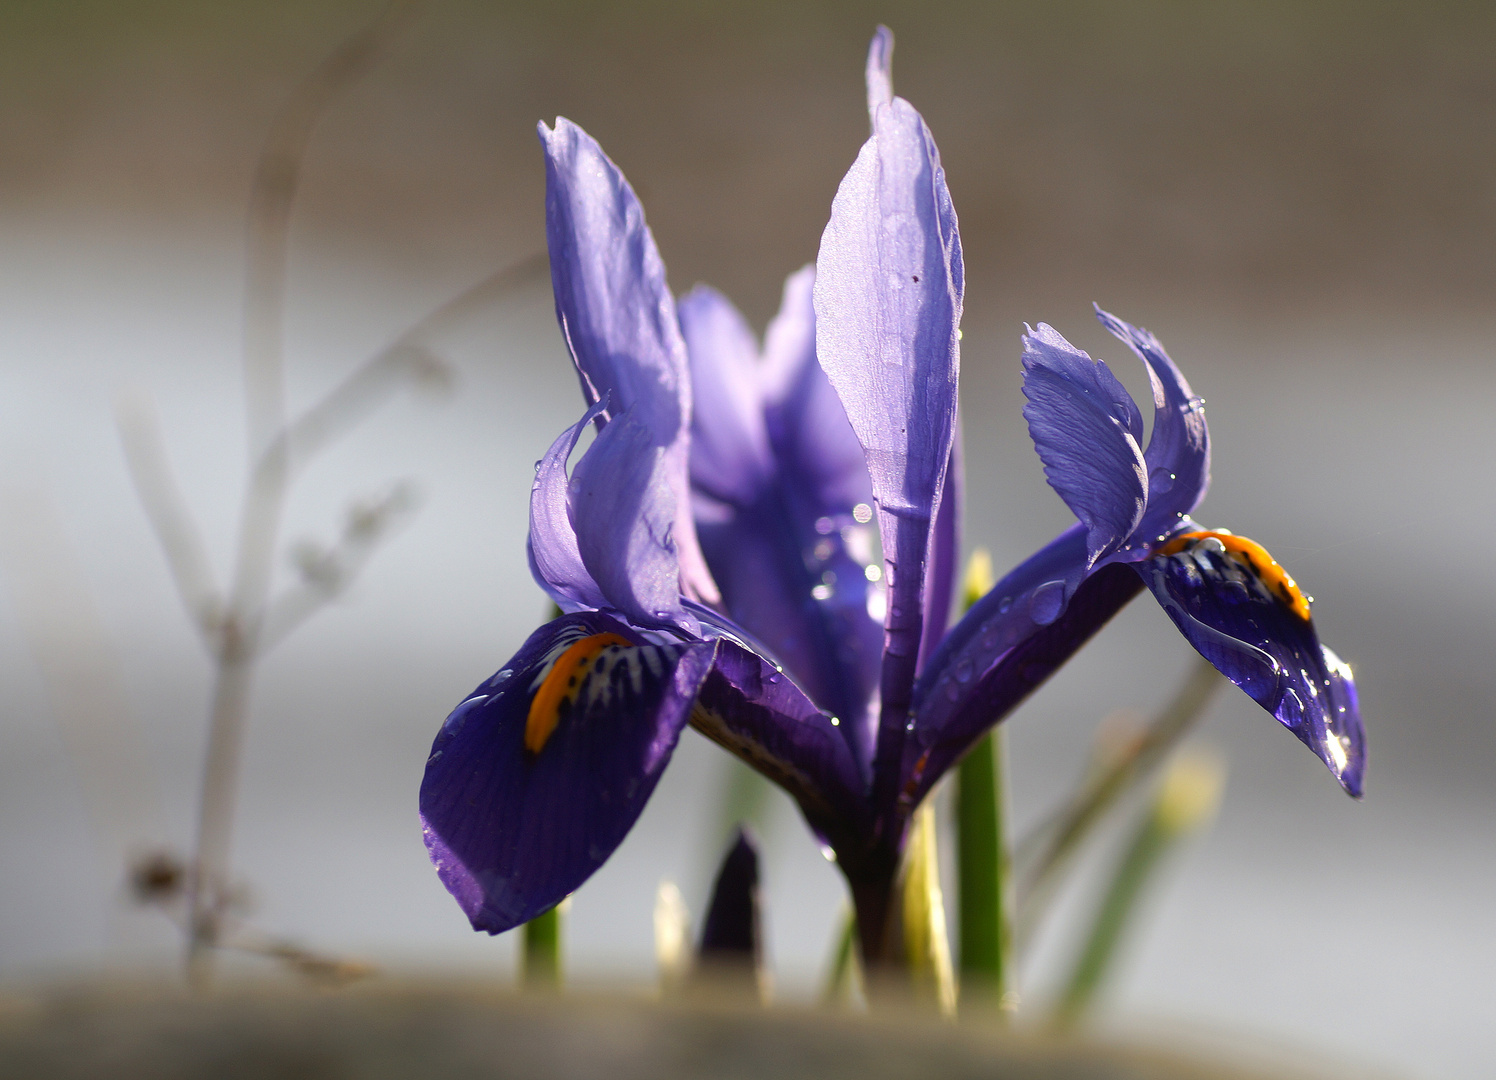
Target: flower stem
540, 951
982, 863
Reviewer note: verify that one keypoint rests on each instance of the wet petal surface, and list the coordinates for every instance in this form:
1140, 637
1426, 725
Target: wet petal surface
537, 777
1242, 620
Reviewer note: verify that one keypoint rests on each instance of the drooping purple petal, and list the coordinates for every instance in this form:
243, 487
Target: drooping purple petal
1086, 428
512, 831
623, 512
879, 70
617, 314
749, 707
1245, 628
730, 456
1010, 641
1178, 454
555, 561
888, 292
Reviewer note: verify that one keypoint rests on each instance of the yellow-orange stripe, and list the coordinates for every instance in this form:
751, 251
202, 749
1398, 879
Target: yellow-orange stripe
561, 685
1267, 568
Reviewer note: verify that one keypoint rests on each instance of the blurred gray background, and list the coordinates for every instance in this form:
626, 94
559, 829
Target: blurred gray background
1299, 199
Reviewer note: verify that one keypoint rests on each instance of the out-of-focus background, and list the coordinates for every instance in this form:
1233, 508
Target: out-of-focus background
1299, 199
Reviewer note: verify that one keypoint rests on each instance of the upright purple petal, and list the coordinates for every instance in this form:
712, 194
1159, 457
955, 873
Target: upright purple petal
555, 560
513, 829
730, 456
617, 314
945, 556
790, 556
1239, 620
1086, 428
1178, 454
623, 511
812, 438
888, 293
879, 71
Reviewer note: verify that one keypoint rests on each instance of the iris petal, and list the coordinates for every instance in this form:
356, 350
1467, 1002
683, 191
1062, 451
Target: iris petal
788, 553
888, 292
1011, 640
1260, 643
623, 510
512, 831
555, 560
617, 314
1178, 454
879, 70
1086, 428
730, 458
749, 707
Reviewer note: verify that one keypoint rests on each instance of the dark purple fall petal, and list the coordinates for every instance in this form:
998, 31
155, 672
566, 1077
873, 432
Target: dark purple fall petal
1178, 454
757, 712
1085, 428
1260, 644
555, 561
617, 314
512, 832
888, 293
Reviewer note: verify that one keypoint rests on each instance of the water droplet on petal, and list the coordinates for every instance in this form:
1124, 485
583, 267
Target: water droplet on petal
963, 671
1004, 604
1047, 602
862, 513
1161, 481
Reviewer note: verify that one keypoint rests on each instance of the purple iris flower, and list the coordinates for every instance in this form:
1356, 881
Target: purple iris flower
713, 549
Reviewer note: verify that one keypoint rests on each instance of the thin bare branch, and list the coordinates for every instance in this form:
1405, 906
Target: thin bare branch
277, 176
328, 572
407, 357
150, 469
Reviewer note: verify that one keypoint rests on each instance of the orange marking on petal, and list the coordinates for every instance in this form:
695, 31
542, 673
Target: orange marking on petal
1255, 557
561, 685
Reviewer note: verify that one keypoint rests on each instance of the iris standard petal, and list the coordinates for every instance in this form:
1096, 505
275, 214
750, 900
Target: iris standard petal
813, 440
888, 292
1235, 605
752, 709
1086, 428
879, 70
730, 457
555, 561
623, 510
945, 556
617, 314
1178, 454
792, 560
537, 777
731, 931
1010, 641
